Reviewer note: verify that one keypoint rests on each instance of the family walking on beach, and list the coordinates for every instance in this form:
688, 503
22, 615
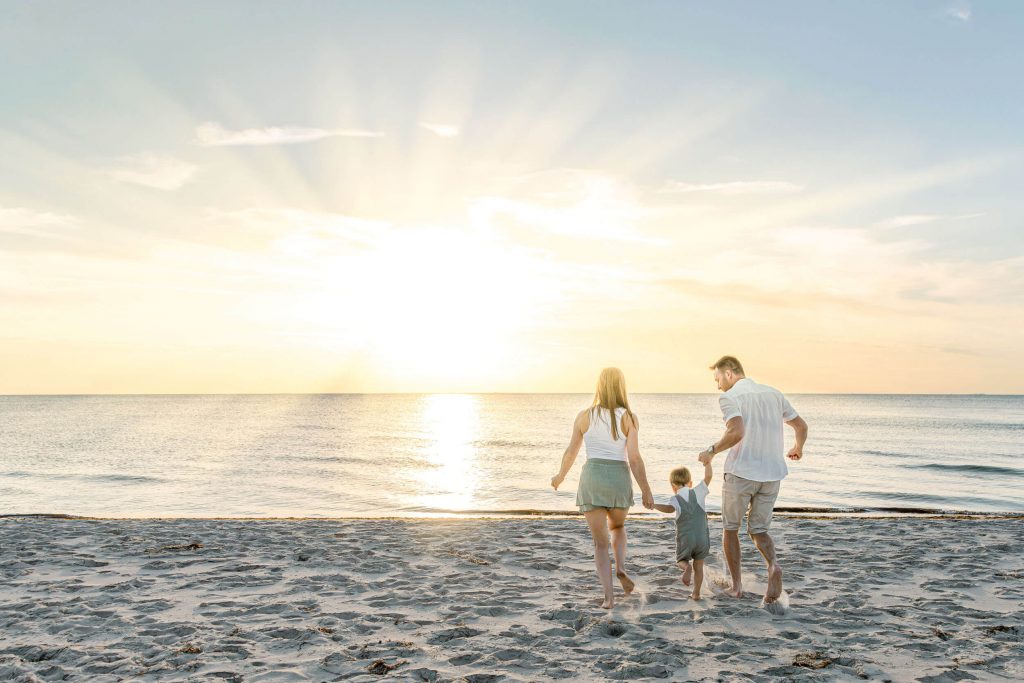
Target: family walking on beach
754, 415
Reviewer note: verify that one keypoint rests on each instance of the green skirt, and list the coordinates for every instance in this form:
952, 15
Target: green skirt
604, 484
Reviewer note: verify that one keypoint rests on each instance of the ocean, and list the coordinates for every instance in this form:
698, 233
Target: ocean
383, 455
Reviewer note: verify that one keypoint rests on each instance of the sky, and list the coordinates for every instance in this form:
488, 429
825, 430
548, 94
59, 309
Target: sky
508, 196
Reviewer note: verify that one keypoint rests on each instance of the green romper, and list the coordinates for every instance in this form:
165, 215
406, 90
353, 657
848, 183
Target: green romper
693, 538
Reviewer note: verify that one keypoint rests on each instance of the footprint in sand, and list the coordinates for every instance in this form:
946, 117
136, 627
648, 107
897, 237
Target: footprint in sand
753, 589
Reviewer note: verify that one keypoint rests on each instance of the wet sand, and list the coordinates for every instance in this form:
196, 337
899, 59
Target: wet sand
499, 599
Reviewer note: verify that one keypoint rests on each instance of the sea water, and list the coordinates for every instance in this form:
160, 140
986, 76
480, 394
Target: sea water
342, 455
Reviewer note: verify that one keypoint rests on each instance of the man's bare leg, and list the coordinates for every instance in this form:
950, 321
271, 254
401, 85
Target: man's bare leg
599, 531
766, 546
617, 524
731, 547
698, 578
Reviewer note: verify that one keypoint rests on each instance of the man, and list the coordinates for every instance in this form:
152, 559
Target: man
753, 414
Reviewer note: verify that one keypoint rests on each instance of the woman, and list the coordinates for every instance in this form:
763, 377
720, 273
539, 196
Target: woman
611, 431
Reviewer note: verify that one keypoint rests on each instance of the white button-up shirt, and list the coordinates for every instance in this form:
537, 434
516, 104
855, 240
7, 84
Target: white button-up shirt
760, 455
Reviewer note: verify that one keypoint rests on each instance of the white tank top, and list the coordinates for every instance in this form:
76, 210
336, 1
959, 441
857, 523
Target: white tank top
598, 437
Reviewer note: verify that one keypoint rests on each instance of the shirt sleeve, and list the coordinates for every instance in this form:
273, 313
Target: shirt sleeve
730, 408
701, 489
788, 411
674, 502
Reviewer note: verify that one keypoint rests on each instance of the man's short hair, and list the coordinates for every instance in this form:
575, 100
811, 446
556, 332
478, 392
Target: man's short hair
680, 476
728, 363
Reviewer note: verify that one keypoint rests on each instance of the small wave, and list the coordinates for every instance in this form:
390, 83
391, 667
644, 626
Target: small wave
977, 469
891, 454
511, 443
114, 478
318, 458
853, 511
121, 478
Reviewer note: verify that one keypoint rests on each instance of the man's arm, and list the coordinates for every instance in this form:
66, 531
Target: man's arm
733, 435
800, 427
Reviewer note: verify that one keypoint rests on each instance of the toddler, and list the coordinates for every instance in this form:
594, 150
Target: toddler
693, 538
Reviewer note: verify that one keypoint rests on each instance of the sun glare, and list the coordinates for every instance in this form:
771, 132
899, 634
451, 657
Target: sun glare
451, 424
429, 304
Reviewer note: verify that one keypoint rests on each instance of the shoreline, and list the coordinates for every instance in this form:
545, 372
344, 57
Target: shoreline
450, 515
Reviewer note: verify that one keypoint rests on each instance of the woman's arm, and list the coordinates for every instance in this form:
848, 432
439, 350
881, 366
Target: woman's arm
636, 463
572, 450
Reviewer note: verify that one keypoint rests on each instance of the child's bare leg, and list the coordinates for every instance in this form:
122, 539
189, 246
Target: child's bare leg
684, 565
698, 578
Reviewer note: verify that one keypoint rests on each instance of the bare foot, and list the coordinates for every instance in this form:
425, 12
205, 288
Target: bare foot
626, 582
687, 574
735, 591
608, 603
774, 584
695, 595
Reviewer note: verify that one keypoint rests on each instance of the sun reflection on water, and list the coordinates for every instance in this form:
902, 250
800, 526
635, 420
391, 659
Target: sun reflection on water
448, 478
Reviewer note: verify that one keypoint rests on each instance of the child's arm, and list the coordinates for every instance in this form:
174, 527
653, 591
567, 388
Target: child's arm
664, 508
707, 472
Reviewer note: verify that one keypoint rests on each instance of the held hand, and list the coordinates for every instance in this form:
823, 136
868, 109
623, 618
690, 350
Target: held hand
795, 453
705, 457
556, 481
648, 500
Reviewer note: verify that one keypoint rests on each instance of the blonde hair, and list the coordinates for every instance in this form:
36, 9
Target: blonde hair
611, 394
728, 363
680, 476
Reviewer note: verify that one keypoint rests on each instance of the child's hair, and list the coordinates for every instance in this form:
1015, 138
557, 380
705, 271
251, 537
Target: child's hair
680, 476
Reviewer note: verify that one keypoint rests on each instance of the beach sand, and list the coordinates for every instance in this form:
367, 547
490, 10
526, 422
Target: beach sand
499, 599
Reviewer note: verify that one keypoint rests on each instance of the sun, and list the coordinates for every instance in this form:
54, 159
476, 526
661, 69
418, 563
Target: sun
434, 305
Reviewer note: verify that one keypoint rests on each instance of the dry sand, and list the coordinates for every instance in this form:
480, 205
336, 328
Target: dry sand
499, 599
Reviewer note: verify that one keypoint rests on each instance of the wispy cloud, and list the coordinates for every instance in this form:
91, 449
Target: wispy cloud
961, 11
152, 170
567, 202
212, 134
22, 221
292, 230
736, 187
922, 218
441, 129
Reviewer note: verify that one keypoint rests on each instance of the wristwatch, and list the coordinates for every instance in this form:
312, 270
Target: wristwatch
710, 449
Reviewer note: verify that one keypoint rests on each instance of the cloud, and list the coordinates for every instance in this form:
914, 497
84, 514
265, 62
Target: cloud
212, 134
736, 187
960, 11
568, 202
441, 129
22, 221
29, 230
292, 231
922, 218
152, 170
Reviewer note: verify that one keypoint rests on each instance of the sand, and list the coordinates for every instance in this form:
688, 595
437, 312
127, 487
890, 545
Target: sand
499, 599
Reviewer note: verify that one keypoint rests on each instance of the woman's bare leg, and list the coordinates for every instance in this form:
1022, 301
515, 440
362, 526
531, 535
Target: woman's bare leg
617, 523
599, 531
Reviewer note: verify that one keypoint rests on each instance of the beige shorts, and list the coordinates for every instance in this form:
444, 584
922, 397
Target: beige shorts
753, 499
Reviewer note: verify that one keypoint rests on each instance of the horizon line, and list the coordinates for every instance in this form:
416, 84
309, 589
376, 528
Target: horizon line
497, 393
